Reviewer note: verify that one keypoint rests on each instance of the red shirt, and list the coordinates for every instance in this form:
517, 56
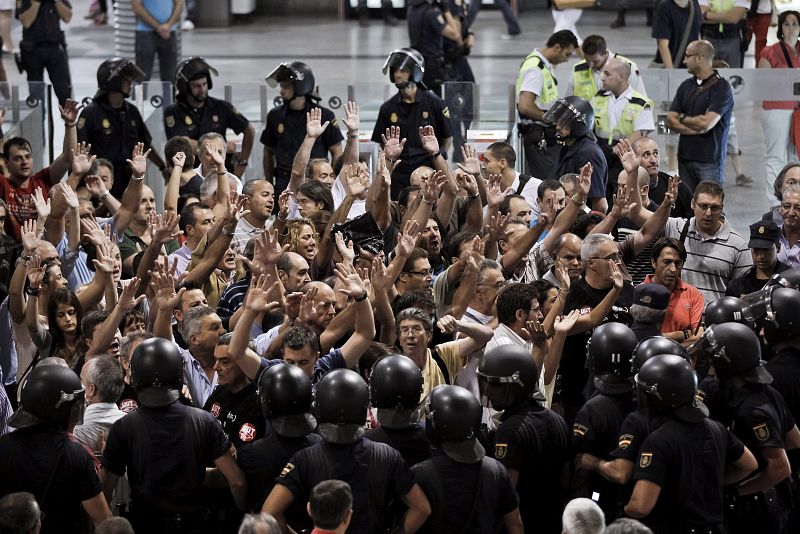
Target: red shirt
20, 200
777, 60
685, 308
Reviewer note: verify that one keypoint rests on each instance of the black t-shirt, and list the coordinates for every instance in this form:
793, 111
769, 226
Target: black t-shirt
412, 443
683, 204
785, 370
165, 452
27, 459
129, 400
669, 22
635, 428
453, 497
192, 187
238, 413
716, 96
687, 461
376, 473
425, 25
46, 27
214, 116
748, 283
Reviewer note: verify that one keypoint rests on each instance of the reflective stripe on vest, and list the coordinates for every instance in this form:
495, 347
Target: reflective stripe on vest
721, 6
549, 83
625, 124
583, 83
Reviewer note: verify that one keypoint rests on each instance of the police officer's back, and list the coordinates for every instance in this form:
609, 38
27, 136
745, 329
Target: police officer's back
782, 332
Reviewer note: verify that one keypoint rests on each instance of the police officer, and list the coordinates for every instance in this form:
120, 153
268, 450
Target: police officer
376, 473
598, 422
687, 457
285, 395
573, 118
395, 387
531, 441
537, 91
764, 244
40, 458
428, 24
43, 45
468, 491
587, 73
457, 69
723, 26
194, 113
782, 332
286, 125
166, 468
412, 108
112, 125
757, 415
724, 310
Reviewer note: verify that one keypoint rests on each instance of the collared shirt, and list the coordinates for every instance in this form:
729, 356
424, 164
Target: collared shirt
634, 80
644, 121
215, 115
532, 80
530, 191
339, 192
685, 308
97, 419
243, 233
196, 379
232, 299
183, 256
789, 252
537, 261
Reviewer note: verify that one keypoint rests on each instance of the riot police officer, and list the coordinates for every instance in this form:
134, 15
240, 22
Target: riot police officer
285, 127
285, 395
687, 457
40, 458
468, 491
409, 110
112, 125
43, 45
531, 440
165, 468
782, 332
724, 310
598, 422
194, 113
395, 387
428, 25
376, 472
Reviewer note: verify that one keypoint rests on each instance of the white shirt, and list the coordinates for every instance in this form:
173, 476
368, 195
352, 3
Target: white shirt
530, 192
644, 122
184, 257
236, 180
468, 376
339, 191
532, 80
243, 233
503, 335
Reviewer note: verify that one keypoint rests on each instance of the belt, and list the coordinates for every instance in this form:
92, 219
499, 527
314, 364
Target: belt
714, 32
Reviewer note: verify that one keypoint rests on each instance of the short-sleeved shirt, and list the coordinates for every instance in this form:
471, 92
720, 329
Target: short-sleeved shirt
432, 374
239, 413
165, 467
27, 458
716, 96
20, 200
749, 283
160, 10
685, 309
669, 22
412, 442
575, 156
430, 22
616, 105
635, 428
532, 82
214, 116
761, 420
776, 55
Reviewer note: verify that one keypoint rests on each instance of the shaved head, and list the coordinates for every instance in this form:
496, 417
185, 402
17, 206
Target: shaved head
619, 66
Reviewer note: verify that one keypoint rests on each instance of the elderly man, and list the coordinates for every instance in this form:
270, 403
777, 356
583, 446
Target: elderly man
765, 245
789, 209
103, 379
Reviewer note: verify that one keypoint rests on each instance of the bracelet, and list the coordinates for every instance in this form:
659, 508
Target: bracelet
362, 298
106, 193
33, 291
222, 173
575, 201
140, 177
242, 163
472, 197
686, 334
70, 124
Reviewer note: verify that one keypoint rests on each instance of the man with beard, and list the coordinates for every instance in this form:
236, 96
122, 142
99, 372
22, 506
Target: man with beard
410, 109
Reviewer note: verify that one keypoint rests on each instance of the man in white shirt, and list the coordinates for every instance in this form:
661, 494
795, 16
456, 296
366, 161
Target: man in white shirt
195, 221
501, 160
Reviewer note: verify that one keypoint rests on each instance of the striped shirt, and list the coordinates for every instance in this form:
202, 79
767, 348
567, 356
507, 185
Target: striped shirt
714, 261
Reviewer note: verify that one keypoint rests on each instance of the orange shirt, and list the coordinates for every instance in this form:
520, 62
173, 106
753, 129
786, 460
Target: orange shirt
685, 308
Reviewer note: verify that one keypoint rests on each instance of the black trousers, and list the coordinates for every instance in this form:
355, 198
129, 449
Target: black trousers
52, 57
541, 153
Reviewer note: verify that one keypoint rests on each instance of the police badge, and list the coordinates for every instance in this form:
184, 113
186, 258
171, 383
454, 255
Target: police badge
645, 459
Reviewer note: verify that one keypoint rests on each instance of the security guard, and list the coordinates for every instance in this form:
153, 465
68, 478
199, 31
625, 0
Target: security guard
194, 113
428, 24
468, 491
166, 468
395, 387
764, 244
537, 91
376, 472
410, 109
285, 395
598, 422
586, 73
43, 45
757, 415
531, 441
724, 310
723, 26
112, 125
687, 457
285, 127
619, 112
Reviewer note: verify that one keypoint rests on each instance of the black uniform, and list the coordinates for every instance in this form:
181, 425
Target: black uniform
43, 47
748, 283
376, 473
28, 458
466, 498
534, 441
785, 370
412, 443
573, 157
113, 133
165, 452
427, 110
238, 413
214, 116
284, 133
683, 204
634, 430
425, 26
596, 431
687, 461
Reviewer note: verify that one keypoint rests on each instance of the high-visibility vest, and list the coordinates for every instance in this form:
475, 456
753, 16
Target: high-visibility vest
549, 82
626, 124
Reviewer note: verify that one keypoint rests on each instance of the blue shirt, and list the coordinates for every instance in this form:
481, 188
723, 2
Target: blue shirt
200, 387
160, 10
716, 96
325, 364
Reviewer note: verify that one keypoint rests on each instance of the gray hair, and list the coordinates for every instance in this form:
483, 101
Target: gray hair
19, 512
192, 319
225, 339
626, 525
414, 314
251, 522
487, 265
591, 243
115, 525
211, 136
643, 314
108, 376
583, 516
127, 342
54, 360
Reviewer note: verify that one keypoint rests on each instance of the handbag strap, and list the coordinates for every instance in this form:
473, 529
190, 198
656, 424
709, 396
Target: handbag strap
789, 62
685, 37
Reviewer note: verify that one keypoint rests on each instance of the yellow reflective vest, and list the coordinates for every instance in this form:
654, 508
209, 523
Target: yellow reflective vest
626, 124
549, 82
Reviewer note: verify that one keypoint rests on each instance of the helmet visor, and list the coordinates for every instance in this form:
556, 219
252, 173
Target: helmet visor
282, 73
758, 305
563, 114
401, 60
129, 71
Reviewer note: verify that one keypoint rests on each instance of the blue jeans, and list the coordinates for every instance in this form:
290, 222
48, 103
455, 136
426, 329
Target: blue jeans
505, 8
694, 172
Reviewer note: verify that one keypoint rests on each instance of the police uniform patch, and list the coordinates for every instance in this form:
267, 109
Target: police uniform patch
446, 112
286, 470
625, 441
106, 124
333, 122
188, 120
761, 431
645, 459
424, 114
393, 117
170, 120
280, 128
81, 122
579, 429
247, 433
215, 118
215, 409
440, 18
500, 450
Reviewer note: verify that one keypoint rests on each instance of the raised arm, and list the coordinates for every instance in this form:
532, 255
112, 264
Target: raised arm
163, 286
223, 196
474, 336
16, 298
103, 277
352, 121
216, 249
593, 318
174, 183
378, 195
105, 333
82, 161
314, 128
447, 198
654, 226
69, 112
552, 359
357, 344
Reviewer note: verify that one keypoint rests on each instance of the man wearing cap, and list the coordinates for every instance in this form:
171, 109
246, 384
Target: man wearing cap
649, 307
765, 243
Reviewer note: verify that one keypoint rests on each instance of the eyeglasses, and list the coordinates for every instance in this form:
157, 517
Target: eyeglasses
423, 273
789, 206
416, 330
613, 257
715, 208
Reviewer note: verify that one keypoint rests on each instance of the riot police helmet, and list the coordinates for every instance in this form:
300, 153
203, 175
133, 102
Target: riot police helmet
50, 395
395, 387
654, 346
507, 375
285, 394
667, 384
609, 353
298, 74
735, 352
574, 113
405, 59
783, 315
113, 72
454, 422
191, 69
725, 310
157, 372
341, 401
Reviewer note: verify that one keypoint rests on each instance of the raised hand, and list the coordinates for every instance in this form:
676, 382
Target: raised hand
353, 180
392, 144
82, 159
314, 128
30, 238
448, 324
564, 323
352, 284
272, 250
306, 311
471, 164
616, 276
496, 229
672, 189
70, 196
380, 279
42, 205
35, 272
128, 299
163, 286
179, 159
95, 185
216, 157
549, 210
346, 250
69, 111
428, 140
351, 117
432, 187
105, 261
283, 203
494, 192
382, 170
92, 232
585, 179
534, 332
408, 239
138, 161
257, 298
163, 227
467, 182
562, 275
630, 161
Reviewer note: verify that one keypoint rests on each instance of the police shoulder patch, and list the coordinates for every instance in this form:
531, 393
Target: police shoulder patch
280, 128
393, 117
579, 429
288, 469
446, 112
761, 431
170, 120
625, 441
81, 122
500, 450
645, 459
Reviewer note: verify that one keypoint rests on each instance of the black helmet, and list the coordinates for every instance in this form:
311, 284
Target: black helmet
407, 59
341, 401
783, 315
285, 395
112, 72
506, 375
725, 310
296, 72
788, 278
190, 69
49, 394
395, 387
573, 112
734, 351
454, 421
654, 346
157, 372
668, 384
609, 353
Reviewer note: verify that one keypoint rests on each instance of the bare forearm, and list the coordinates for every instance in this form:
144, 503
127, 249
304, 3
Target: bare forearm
90, 297
105, 333
300, 163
